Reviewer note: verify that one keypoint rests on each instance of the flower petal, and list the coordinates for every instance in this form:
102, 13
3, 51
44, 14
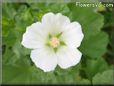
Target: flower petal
44, 59
68, 57
34, 36
55, 18
48, 17
62, 20
72, 35
55, 22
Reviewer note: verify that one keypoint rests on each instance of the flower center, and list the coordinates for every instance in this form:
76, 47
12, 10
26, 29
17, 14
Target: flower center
54, 42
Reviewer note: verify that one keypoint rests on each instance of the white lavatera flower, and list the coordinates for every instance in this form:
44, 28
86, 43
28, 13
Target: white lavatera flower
54, 41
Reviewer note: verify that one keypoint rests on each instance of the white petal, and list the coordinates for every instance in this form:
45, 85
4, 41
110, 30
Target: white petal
48, 17
44, 59
55, 22
34, 36
73, 35
55, 18
68, 57
62, 20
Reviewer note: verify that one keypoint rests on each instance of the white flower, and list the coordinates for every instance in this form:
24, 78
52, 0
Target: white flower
54, 41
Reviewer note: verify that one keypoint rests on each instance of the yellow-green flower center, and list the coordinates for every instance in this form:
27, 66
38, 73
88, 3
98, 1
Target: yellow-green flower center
54, 42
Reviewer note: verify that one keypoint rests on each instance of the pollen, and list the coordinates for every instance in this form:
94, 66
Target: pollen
54, 42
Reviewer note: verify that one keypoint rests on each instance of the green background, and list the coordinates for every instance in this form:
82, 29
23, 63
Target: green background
96, 66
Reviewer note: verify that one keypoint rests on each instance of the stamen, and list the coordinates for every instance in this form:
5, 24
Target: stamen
54, 42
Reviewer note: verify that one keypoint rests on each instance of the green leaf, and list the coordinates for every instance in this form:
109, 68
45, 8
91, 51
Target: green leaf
10, 39
21, 72
84, 81
95, 66
91, 21
95, 41
95, 46
7, 26
107, 77
24, 73
8, 10
0, 68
